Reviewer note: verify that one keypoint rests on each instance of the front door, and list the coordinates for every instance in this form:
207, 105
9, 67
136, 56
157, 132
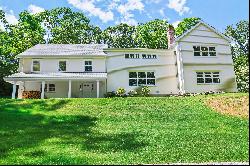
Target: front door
86, 90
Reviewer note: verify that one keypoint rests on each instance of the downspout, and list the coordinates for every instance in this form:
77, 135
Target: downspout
180, 71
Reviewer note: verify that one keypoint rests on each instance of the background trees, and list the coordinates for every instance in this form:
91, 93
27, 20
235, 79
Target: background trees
64, 26
240, 51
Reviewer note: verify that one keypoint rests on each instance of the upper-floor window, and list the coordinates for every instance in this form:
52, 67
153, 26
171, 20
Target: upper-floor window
138, 56
36, 65
208, 77
204, 51
141, 78
62, 66
88, 66
132, 56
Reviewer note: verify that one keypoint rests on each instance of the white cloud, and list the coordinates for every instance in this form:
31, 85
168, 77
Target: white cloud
179, 6
175, 24
89, 6
33, 9
126, 11
10, 17
161, 11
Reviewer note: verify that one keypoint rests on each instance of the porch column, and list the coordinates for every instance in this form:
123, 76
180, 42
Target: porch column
43, 86
14, 90
69, 90
97, 88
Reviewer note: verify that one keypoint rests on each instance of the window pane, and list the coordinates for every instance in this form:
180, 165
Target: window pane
208, 80
199, 74
200, 80
154, 57
132, 56
150, 75
137, 56
204, 53
142, 82
88, 62
149, 56
204, 49
144, 56
52, 87
212, 53
36, 65
132, 75
196, 48
132, 82
126, 56
197, 54
151, 82
215, 72
141, 75
88, 68
62, 65
216, 80
212, 49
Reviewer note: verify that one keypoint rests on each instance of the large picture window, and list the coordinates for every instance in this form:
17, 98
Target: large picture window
36, 65
141, 78
208, 77
88, 66
204, 51
62, 66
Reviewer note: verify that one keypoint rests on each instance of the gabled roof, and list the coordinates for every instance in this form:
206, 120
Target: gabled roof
64, 50
206, 25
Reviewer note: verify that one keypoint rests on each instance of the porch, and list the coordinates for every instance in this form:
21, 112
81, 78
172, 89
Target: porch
60, 85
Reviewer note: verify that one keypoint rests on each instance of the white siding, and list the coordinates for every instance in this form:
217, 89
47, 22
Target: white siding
118, 69
223, 62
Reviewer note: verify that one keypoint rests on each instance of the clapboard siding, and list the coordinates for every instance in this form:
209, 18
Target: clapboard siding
200, 39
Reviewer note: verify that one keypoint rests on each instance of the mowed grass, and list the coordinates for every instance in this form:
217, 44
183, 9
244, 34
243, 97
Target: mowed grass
120, 131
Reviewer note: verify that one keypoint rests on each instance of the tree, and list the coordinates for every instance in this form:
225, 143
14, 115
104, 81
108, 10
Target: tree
240, 52
152, 34
14, 40
67, 27
120, 36
186, 24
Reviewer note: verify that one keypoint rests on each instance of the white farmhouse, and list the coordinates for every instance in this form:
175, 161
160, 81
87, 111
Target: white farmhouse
200, 60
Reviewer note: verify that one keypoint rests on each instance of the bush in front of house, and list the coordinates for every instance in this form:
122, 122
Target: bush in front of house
110, 94
121, 92
132, 93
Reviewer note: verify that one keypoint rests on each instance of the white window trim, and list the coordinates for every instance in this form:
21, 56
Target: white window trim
205, 77
216, 52
140, 56
88, 65
145, 78
33, 63
66, 65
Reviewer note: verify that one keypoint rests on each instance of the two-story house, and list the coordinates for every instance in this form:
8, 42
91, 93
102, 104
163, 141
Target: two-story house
200, 60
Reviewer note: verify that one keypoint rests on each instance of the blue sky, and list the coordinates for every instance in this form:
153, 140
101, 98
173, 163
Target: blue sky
104, 13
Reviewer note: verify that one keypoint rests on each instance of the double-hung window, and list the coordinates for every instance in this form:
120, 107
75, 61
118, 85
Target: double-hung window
62, 66
141, 78
49, 88
36, 65
208, 77
204, 51
88, 66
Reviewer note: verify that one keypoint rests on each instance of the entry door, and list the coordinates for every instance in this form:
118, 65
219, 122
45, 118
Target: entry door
86, 90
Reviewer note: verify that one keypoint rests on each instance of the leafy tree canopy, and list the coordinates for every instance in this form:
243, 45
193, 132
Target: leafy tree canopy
186, 24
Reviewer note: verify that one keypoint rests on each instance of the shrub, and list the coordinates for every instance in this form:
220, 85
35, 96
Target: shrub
145, 91
132, 93
110, 94
120, 92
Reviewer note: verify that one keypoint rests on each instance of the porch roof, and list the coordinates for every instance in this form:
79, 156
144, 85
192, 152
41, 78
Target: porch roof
56, 76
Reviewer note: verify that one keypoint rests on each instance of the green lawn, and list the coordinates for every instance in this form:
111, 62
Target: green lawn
119, 131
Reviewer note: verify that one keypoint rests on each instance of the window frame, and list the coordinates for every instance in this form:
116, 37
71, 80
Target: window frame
212, 77
208, 52
84, 63
47, 88
137, 78
58, 66
32, 66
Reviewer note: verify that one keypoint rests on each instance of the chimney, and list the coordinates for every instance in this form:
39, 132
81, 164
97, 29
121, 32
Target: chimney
170, 35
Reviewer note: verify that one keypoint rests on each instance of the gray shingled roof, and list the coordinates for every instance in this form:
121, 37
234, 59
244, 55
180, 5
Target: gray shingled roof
57, 75
64, 50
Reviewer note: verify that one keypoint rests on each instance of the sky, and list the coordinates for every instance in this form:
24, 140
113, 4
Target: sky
105, 13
